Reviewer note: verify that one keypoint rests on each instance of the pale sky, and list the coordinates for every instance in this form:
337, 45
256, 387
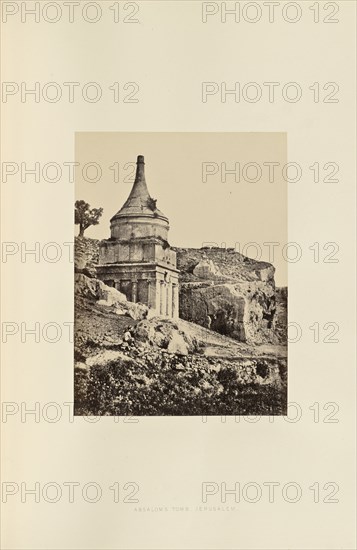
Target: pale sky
213, 211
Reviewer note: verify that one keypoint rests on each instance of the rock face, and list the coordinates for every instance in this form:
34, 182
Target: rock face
86, 255
227, 292
218, 307
93, 289
281, 324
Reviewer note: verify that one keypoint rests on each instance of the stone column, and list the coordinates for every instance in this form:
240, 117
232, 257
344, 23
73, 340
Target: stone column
168, 285
152, 294
134, 291
151, 303
157, 296
163, 298
161, 308
175, 301
169, 301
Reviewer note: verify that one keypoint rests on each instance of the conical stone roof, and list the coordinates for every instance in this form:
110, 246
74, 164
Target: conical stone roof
139, 203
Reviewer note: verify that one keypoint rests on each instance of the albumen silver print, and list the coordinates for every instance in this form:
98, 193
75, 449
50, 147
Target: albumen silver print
177, 330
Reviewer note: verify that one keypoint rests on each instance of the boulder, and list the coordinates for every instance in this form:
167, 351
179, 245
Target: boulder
163, 333
178, 344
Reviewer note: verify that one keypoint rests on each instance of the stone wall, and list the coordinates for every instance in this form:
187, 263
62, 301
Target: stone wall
122, 228
136, 250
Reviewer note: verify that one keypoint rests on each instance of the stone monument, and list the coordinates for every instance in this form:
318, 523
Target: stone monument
137, 259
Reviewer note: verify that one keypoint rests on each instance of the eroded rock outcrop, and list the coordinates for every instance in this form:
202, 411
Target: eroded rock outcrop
281, 323
86, 256
227, 292
218, 307
104, 295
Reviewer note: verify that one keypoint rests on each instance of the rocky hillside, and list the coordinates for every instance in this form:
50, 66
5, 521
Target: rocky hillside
221, 290
234, 295
129, 363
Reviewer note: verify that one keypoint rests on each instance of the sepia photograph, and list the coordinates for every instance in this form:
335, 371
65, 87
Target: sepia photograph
172, 318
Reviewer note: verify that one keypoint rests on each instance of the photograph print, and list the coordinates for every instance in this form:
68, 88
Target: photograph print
180, 288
